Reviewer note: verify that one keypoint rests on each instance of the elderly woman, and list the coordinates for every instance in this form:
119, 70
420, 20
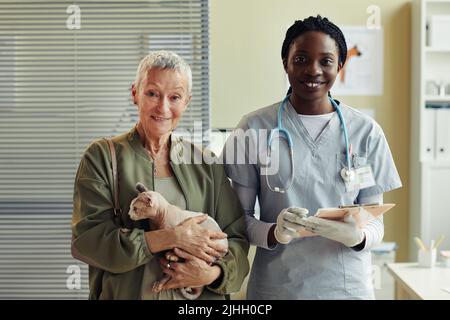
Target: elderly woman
124, 255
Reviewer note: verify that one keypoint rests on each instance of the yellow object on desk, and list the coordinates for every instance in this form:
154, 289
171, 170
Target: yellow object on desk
420, 244
439, 241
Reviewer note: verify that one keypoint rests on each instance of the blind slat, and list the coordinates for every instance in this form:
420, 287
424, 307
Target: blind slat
59, 90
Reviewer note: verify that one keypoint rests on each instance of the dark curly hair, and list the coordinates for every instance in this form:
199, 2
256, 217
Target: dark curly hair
315, 24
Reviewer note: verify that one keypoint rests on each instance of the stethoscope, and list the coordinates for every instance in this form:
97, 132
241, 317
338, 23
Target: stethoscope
347, 173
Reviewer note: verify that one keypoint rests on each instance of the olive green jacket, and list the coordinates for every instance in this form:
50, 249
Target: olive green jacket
116, 256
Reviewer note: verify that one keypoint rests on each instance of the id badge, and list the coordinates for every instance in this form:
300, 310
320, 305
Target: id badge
364, 175
363, 179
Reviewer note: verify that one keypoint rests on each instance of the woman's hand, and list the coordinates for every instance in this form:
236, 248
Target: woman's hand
193, 272
198, 241
190, 237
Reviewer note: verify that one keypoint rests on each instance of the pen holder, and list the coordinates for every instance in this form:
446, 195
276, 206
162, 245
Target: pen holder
427, 258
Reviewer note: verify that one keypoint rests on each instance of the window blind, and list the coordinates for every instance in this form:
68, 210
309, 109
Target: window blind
60, 88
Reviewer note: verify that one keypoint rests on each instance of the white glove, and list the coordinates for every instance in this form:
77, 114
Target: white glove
346, 232
286, 230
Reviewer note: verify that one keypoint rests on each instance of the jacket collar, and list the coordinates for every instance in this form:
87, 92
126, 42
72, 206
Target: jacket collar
176, 146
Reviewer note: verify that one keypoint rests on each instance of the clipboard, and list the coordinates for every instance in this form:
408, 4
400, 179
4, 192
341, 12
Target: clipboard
374, 210
361, 213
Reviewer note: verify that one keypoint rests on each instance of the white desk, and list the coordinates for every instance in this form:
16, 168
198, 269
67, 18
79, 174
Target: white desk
414, 282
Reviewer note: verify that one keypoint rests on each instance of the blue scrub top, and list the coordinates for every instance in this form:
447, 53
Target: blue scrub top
314, 267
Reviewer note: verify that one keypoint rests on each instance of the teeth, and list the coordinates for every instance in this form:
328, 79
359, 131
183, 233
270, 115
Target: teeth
312, 84
159, 118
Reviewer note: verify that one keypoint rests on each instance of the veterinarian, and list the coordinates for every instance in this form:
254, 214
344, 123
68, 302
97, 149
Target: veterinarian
328, 154
124, 256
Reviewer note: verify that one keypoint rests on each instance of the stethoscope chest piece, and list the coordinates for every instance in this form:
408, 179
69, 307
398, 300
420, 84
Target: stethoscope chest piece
348, 175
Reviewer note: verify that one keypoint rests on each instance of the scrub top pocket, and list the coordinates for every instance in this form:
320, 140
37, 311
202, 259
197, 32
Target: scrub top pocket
347, 197
359, 161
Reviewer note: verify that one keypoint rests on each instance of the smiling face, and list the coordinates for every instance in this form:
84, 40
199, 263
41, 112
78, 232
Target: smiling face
161, 97
312, 65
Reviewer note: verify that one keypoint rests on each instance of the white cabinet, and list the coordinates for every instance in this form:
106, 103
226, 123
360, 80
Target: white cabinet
428, 137
430, 124
436, 134
443, 134
436, 202
383, 283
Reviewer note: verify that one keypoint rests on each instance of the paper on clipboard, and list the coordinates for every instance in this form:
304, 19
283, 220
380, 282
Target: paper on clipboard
362, 214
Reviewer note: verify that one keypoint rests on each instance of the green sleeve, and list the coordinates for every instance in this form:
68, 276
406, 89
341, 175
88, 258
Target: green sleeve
96, 239
230, 217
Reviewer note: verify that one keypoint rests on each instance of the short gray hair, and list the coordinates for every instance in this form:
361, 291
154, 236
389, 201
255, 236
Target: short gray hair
165, 60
